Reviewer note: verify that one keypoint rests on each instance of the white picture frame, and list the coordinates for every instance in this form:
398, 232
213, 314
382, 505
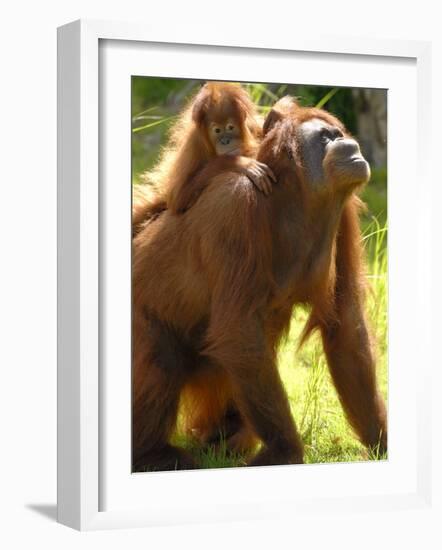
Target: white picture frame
81, 433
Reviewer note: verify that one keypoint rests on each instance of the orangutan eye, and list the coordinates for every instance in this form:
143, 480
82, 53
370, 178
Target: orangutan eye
325, 135
329, 134
230, 127
217, 130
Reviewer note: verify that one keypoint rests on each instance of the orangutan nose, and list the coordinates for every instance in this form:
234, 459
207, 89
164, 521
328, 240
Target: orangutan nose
346, 148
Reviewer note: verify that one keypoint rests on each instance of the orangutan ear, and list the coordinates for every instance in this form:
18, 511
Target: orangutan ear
282, 108
201, 104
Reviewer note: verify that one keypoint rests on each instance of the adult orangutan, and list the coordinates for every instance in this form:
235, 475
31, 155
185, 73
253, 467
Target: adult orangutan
214, 290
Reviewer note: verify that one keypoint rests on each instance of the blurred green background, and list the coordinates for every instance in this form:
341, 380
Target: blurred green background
315, 406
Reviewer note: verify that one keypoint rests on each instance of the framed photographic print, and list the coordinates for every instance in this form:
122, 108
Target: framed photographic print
233, 229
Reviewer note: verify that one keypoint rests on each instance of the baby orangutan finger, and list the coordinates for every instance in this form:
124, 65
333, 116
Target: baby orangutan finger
268, 171
265, 185
255, 178
259, 178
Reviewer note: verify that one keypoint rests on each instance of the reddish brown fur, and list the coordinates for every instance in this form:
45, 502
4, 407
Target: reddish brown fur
213, 294
190, 148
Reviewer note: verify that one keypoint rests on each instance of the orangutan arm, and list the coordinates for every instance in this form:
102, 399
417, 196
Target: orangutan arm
259, 173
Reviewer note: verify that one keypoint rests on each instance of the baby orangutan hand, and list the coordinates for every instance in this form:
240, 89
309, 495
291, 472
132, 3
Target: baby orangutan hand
260, 175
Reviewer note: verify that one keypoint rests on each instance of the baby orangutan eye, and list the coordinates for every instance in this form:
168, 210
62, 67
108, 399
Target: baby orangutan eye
217, 130
230, 127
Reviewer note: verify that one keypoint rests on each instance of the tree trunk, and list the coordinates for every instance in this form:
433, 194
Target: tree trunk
371, 118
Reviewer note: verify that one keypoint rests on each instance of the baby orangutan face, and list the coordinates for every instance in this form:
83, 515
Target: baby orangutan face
225, 137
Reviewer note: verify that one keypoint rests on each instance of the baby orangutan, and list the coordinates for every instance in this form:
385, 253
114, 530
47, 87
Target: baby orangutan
221, 121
